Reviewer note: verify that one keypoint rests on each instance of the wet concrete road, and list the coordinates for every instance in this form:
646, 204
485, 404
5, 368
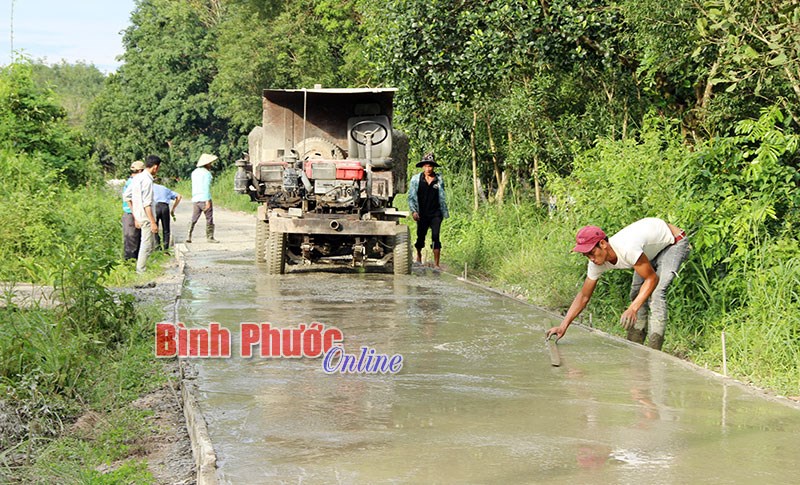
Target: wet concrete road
477, 400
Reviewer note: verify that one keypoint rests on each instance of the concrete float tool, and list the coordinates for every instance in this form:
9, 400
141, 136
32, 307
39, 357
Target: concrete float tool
555, 356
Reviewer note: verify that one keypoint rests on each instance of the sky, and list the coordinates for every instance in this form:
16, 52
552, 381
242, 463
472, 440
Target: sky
72, 30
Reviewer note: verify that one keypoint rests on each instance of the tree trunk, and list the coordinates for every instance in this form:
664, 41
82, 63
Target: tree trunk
501, 188
709, 87
536, 179
474, 160
498, 176
625, 120
792, 80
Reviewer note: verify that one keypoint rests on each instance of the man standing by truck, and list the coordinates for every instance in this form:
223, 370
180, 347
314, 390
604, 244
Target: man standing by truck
131, 235
140, 195
428, 205
655, 250
163, 196
201, 197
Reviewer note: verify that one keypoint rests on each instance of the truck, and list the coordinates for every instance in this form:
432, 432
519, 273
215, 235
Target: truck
325, 166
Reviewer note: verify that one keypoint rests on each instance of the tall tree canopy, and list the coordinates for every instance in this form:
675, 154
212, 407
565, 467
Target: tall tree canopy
158, 102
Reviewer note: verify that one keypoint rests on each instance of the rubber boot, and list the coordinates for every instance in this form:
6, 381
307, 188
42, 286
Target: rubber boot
189, 236
635, 335
436, 254
655, 341
210, 234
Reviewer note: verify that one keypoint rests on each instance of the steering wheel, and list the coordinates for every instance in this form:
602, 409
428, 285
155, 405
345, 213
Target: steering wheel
366, 134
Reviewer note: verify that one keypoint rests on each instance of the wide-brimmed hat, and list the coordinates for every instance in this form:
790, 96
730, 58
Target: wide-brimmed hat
206, 159
137, 166
587, 238
427, 160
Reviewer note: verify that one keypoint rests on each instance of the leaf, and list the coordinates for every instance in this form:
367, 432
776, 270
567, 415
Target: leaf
702, 26
779, 60
749, 52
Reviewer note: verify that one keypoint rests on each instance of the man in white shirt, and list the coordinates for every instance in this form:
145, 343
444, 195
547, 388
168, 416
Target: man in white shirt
140, 195
655, 250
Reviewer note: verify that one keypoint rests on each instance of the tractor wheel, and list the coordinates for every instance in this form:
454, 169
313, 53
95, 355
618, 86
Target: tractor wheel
262, 236
401, 253
276, 253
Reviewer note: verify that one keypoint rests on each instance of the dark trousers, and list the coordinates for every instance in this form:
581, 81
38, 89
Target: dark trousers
425, 223
162, 218
198, 207
131, 236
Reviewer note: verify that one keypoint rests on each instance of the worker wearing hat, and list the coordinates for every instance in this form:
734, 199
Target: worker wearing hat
201, 196
428, 206
140, 194
131, 235
655, 250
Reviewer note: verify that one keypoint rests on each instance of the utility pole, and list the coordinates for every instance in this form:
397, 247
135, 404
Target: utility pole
12, 31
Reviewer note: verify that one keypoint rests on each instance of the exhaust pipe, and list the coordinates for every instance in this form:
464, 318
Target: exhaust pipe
336, 226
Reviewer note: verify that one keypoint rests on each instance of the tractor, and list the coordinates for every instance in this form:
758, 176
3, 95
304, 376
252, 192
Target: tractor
324, 167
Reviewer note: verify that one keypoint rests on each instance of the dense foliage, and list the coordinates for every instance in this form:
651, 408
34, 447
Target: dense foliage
75, 86
83, 347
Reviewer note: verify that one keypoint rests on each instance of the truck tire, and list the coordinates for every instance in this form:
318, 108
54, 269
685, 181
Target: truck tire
276, 253
262, 236
316, 147
401, 253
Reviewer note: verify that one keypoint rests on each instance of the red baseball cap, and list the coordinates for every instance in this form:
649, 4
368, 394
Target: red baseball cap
587, 238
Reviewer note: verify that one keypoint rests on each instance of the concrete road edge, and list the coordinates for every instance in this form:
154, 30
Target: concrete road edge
205, 458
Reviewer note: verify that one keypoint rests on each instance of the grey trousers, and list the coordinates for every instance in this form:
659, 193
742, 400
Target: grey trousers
197, 209
666, 264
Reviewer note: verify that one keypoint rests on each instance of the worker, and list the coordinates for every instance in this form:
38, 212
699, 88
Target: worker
201, 196
140, 193
655, 250
428, 206
131, 235
163, 197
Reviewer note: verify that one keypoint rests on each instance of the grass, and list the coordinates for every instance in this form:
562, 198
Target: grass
98, 452
124, 273
67, 373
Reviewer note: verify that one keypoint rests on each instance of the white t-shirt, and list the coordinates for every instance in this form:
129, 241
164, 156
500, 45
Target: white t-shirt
648, 236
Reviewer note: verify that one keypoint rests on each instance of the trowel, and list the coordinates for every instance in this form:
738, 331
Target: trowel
555, 356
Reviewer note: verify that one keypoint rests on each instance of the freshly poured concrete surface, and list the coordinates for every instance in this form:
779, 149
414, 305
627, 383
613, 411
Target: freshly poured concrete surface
477, 400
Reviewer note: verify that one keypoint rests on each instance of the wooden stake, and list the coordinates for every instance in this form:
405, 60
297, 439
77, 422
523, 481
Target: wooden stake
724, 356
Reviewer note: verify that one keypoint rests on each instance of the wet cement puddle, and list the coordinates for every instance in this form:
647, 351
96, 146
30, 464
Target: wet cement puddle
476, 401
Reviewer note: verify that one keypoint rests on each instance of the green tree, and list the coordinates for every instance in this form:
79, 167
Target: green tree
158, 101
755, 50
281, 45
33, 122
76, 86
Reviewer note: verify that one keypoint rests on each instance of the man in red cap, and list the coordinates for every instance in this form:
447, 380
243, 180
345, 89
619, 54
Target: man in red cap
655, 250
